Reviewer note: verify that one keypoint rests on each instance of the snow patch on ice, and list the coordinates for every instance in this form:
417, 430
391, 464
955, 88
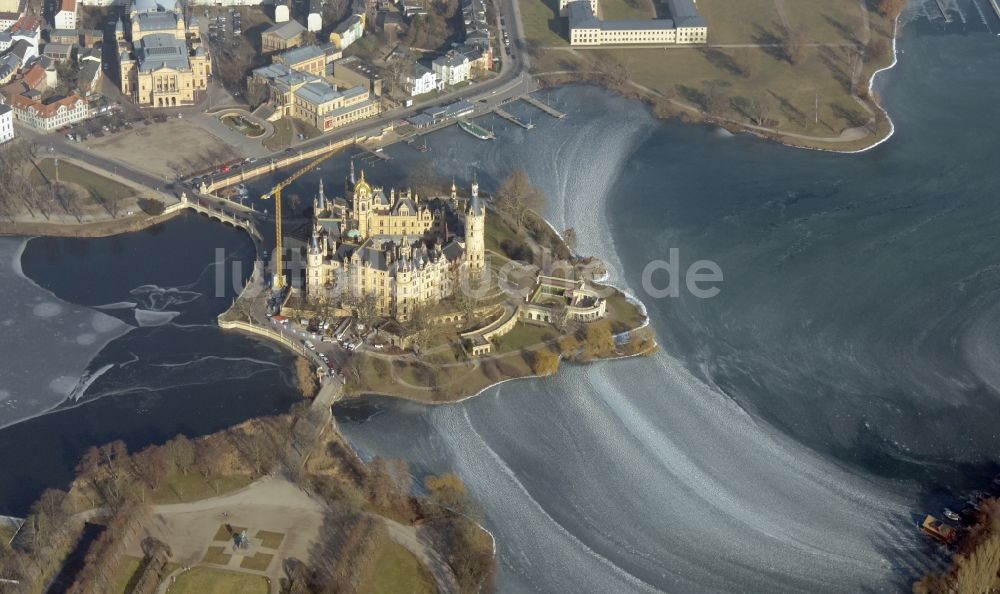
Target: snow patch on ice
145, 317
47, 309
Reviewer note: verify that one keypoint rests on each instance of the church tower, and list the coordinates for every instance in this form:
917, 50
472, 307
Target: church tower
475, 223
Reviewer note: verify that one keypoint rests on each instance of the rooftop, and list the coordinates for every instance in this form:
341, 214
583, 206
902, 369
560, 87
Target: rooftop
318, 92
301, 54
157, 21
162, 50
287, 30
141, 6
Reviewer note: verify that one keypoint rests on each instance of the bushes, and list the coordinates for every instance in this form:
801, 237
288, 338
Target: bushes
153, 208
517, 250
544, 362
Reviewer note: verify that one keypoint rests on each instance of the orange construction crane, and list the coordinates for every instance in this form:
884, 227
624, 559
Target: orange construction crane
279, 273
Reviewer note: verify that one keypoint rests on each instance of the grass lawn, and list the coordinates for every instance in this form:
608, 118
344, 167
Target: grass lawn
542, 24
126, 570
525, 336
243, 126
623, 313
216, 556
396, 571
202, 580
223, 534
7, 533
180, 488
622, 10
100, 188
258, 562
812, 98
282, 136
270, 540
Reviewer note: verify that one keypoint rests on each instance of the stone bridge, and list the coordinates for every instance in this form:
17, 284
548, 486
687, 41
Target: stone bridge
244, 221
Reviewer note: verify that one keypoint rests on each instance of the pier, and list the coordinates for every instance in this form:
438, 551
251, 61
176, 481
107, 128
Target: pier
944, 12
377, 153
544, 106
512, 118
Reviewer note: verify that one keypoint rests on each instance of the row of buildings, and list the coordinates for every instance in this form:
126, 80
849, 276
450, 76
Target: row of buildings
467, 61
287, 33
299, 86
585, 29
30, 83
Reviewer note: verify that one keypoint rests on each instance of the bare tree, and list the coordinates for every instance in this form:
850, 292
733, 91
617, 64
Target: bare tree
758, 109
793, 44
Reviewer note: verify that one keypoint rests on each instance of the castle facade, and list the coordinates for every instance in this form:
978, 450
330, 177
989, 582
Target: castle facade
397, 250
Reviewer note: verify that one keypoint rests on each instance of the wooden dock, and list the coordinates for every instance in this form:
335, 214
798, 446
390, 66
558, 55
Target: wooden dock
544, 106
378, 154
512, 118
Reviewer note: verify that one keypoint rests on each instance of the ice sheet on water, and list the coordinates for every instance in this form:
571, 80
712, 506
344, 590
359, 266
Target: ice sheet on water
119, 305
157, 298
48, 343
145, 317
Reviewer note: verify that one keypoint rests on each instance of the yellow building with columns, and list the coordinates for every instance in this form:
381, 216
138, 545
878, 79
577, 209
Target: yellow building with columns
163, 64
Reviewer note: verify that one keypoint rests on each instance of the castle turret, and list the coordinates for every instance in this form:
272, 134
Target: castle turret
321, 197
475, 228
314, 268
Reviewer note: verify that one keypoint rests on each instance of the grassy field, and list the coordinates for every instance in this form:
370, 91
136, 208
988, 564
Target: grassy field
282, 136
270, 540
216, 555
621, 10
180, 488
258, 562
525, 336
100, 189
125, 572
396, 571
816, 98
201, 580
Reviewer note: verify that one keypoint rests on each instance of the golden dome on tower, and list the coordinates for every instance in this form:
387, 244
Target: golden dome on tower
362, 186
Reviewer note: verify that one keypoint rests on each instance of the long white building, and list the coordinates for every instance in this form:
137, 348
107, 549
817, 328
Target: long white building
686, 27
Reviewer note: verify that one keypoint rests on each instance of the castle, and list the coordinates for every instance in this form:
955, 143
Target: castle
396, 250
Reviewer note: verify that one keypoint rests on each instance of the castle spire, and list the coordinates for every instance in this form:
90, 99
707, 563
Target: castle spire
352, 172
321, 197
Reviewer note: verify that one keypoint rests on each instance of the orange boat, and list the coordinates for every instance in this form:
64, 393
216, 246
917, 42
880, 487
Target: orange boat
938, 530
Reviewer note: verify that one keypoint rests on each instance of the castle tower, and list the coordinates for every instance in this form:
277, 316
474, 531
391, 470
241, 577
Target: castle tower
475, 228
363, 205
314, 268
321, 197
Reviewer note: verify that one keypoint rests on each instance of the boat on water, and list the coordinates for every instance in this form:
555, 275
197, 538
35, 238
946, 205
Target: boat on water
477, 131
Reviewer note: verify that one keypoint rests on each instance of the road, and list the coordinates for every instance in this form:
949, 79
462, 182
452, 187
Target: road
512, 81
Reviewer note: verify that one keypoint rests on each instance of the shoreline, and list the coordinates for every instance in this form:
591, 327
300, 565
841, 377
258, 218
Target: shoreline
644, 96
91, 229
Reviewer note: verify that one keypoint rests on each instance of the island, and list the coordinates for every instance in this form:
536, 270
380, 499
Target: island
437, 298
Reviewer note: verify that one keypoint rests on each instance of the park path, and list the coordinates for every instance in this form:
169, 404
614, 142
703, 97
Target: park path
414, 540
